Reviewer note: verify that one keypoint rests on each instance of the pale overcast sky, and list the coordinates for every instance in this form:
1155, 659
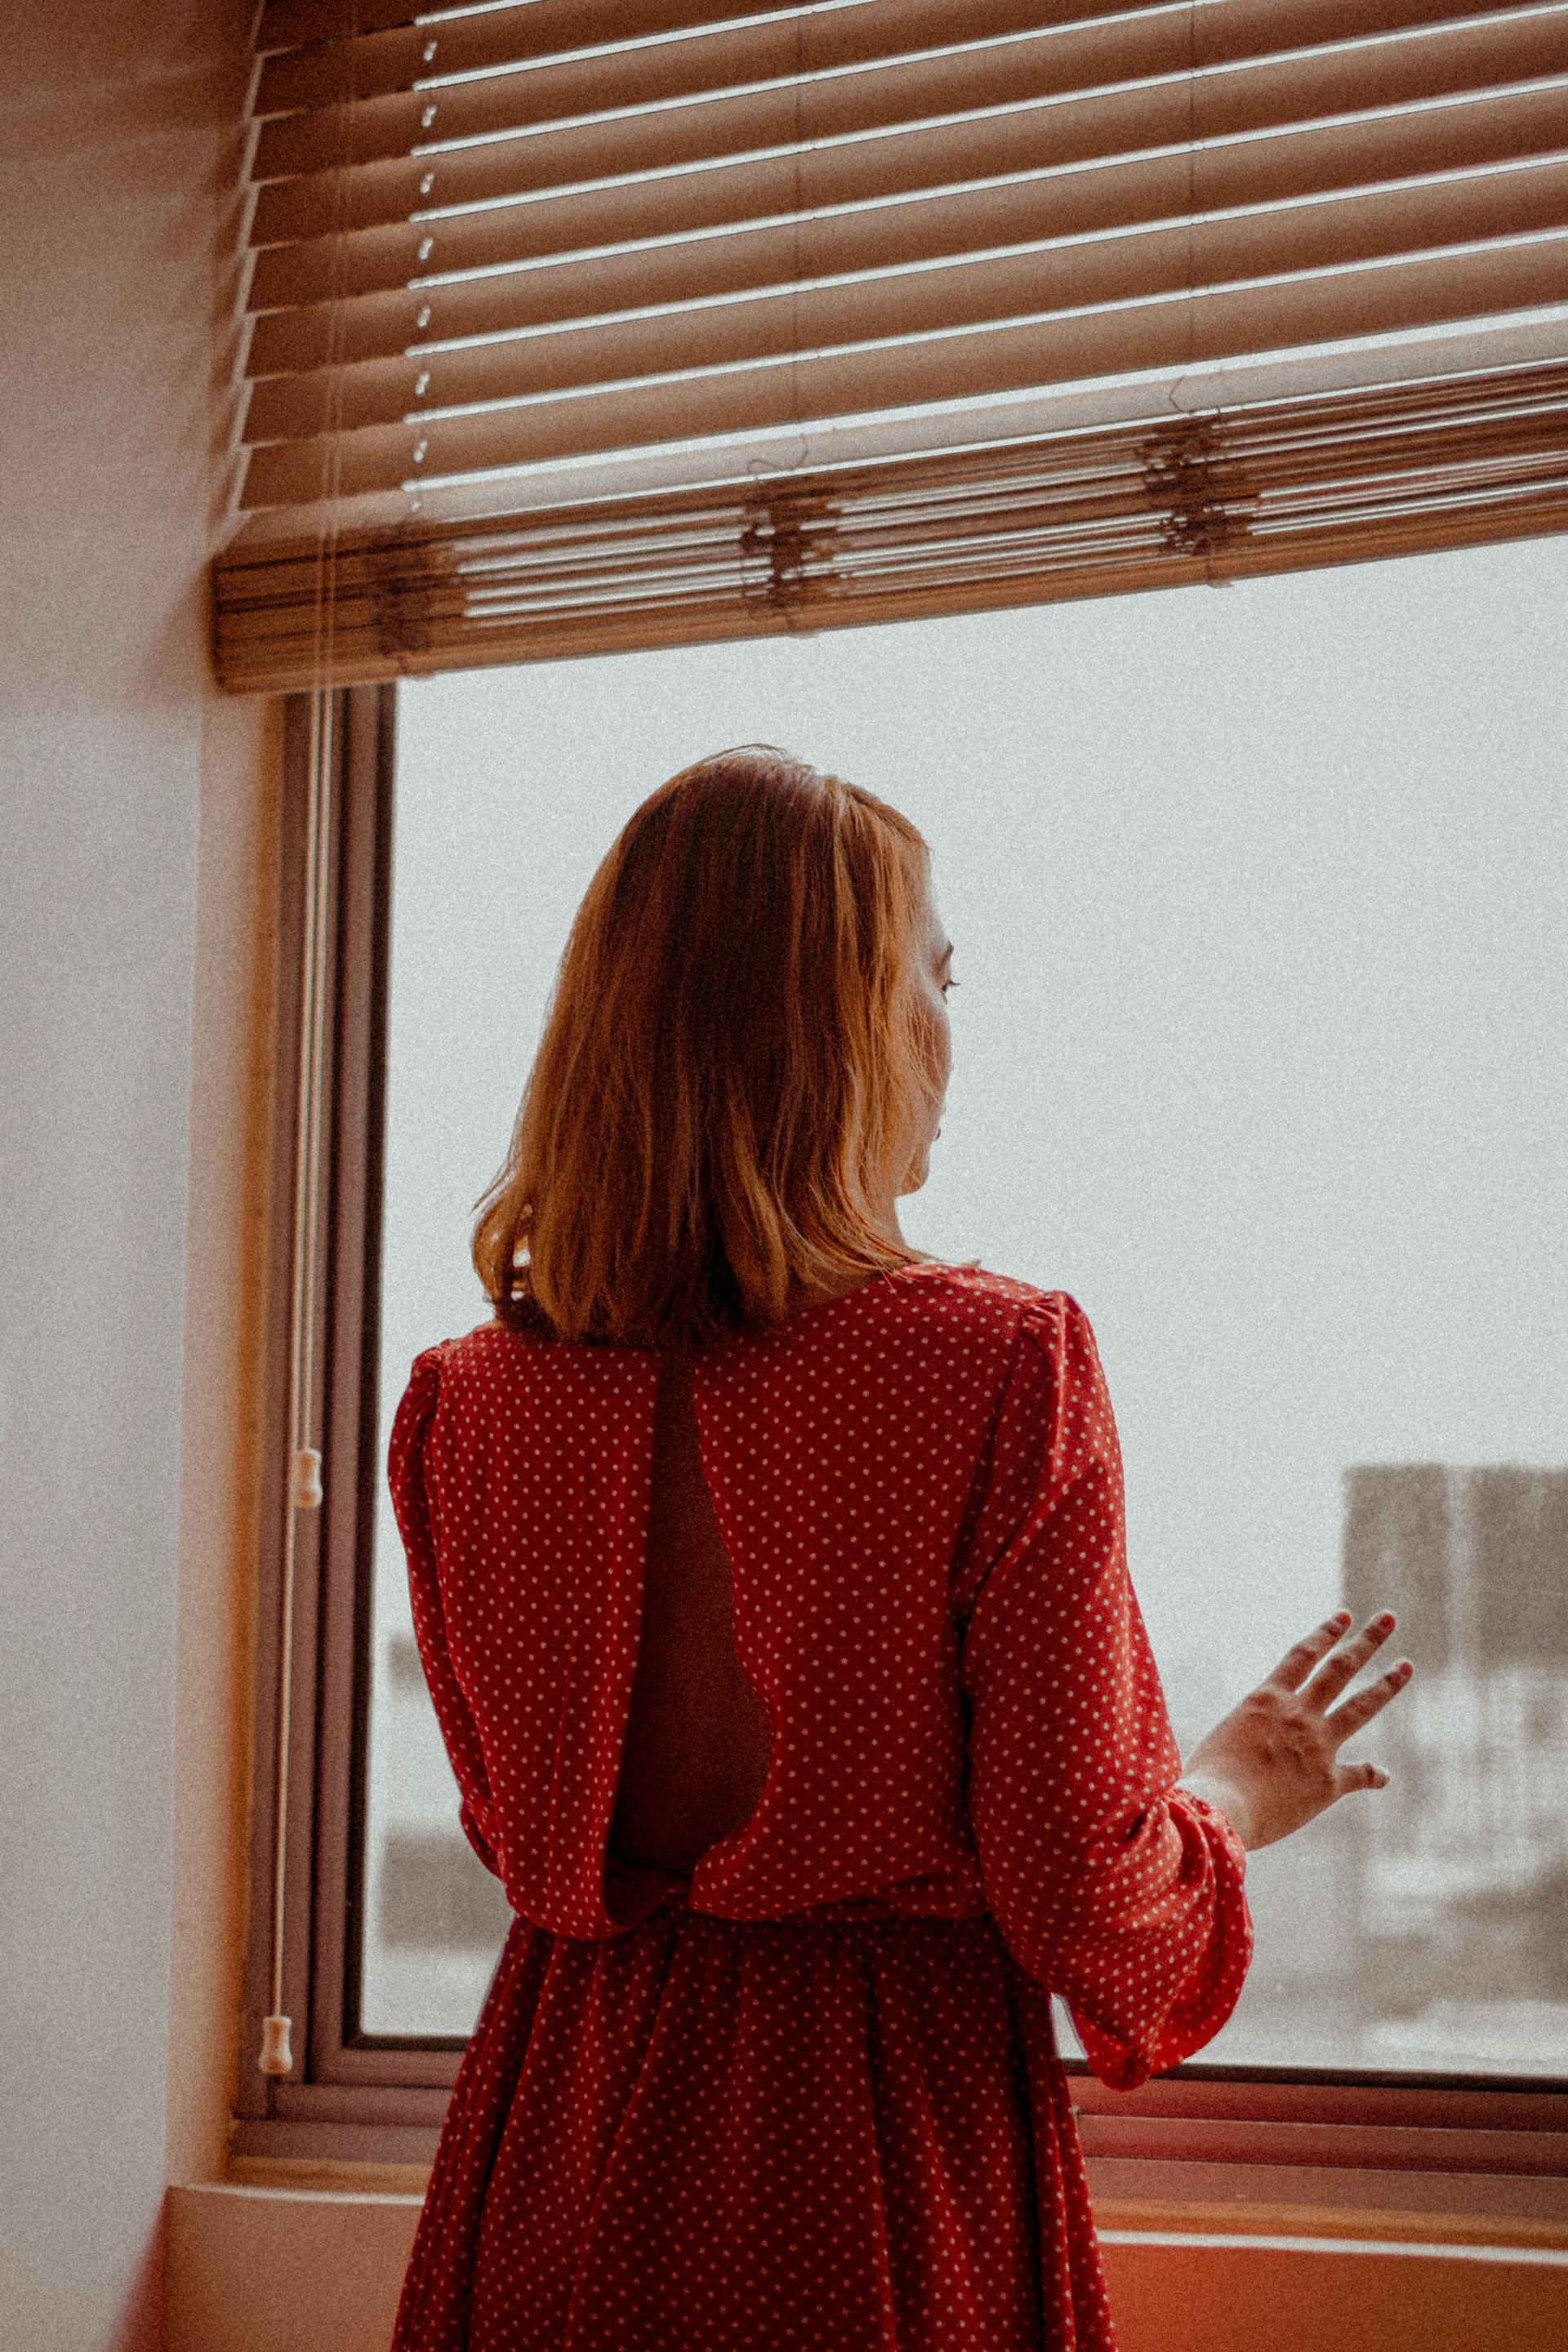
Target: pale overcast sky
1258, 1049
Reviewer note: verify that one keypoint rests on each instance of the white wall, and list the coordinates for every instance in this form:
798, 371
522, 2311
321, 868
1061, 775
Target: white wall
116, 160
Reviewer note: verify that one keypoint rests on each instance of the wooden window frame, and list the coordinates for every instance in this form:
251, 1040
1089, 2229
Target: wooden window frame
1206, 2133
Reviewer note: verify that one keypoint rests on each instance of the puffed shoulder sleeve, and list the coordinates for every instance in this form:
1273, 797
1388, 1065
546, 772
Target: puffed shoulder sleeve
1110, 1886
411, 1473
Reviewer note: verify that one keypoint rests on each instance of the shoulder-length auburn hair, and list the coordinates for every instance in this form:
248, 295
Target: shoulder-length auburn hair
734, 1068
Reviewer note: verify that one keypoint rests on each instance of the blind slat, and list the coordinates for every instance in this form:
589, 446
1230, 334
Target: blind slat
367, 327
559, 151
1275, 171
387, 127
911, 163
367, 65
530, 284
1025, 136
1280, 486
726, 57
1122, 336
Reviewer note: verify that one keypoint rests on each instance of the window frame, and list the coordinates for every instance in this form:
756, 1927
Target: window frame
1206, 2132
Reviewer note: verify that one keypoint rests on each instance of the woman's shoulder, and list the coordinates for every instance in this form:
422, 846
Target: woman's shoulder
969, 1288
969, 1320
493, 1363
447, 1368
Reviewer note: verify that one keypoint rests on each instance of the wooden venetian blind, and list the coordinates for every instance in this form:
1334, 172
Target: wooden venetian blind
578, 324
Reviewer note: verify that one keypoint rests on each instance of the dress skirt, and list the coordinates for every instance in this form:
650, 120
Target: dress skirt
843, 2131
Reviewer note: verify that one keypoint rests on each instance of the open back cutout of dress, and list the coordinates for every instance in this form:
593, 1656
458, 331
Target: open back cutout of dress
697, 1741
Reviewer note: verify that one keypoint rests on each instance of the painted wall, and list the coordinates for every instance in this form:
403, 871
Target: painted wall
115, 161
333, 2264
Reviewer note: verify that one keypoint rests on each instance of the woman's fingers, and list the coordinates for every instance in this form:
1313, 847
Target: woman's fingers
1345, 1665
1369, 1702
1303, 1655
1351, 1776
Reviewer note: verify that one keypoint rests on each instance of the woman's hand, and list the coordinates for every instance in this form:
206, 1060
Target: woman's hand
1270, 1765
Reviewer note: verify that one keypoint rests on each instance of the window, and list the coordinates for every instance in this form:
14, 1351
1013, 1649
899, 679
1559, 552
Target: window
644, 337
1259, 918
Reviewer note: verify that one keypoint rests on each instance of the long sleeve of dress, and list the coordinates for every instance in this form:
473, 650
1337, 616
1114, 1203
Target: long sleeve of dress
409, 1476
1110, 1886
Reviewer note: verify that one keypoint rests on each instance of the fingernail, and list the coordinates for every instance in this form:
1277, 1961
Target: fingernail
1386, 1622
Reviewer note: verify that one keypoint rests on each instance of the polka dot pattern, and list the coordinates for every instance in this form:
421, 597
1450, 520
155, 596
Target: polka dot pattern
809, 2096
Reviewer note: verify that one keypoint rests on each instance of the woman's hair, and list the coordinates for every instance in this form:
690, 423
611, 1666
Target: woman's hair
734, 1069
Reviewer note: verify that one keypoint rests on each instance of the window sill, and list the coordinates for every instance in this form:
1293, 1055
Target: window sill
1320, 2201
1229, 2139
326, 2176
1343, 2201
1447, 2209
1221, 2139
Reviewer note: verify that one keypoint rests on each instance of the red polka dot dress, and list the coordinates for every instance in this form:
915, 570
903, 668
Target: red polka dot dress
805, 2098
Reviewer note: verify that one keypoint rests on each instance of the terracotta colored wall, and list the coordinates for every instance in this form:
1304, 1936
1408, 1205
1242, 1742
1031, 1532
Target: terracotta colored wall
331, 2269
1279, 2298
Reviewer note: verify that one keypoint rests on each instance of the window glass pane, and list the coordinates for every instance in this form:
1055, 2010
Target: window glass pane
1258, 905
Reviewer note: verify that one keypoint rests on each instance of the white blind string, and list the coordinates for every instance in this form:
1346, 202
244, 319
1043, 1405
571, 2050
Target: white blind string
305, 1489
304, 1459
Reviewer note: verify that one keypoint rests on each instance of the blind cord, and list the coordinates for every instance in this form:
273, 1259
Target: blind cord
305, 1491
305, 1459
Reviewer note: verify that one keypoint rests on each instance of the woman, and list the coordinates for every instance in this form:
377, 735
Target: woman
771, 1585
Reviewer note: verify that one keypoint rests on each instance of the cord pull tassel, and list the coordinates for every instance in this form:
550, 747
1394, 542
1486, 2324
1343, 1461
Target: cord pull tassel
307, 1479
277, 2058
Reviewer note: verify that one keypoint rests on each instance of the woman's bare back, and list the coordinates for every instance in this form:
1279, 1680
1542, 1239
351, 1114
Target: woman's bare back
698, 1741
